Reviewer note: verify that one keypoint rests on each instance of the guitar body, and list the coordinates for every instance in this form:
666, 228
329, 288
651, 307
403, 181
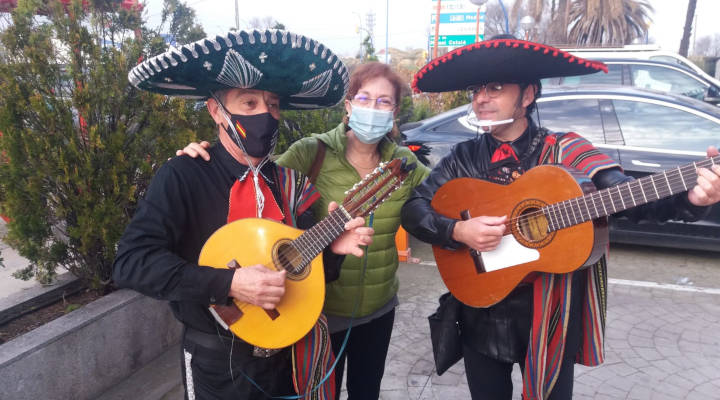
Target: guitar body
253, 241
528, 247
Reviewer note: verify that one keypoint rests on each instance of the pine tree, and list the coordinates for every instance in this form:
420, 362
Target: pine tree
79, 144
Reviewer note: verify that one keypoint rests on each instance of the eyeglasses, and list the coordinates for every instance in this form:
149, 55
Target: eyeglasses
382, 103
492, 90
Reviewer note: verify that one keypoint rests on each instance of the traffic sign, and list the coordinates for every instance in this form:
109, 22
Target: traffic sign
453, 40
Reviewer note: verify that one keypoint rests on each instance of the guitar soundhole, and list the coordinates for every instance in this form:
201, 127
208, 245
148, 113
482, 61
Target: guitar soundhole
287, 257
531, 225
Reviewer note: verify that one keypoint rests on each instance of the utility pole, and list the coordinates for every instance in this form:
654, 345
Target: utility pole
370, 24
387, 24
437, 28
237, 17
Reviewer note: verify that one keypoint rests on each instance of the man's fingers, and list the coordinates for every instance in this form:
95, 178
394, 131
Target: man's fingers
488, 220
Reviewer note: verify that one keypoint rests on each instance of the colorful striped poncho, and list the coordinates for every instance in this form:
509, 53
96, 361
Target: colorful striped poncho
551, 292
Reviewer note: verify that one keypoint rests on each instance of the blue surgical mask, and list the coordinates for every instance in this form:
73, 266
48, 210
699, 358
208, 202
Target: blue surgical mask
370, 125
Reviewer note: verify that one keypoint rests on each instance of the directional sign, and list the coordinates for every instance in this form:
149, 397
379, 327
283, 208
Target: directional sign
453, 40
458, 23
458, 18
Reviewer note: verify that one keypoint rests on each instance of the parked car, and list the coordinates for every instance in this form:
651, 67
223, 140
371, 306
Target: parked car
641, 52
645, 131
646, 74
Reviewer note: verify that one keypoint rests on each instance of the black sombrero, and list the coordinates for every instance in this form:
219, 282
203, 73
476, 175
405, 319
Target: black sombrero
499, 60
303, 72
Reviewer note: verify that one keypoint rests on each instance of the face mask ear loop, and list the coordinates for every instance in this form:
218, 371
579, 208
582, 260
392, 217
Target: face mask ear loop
255, 169
471, 114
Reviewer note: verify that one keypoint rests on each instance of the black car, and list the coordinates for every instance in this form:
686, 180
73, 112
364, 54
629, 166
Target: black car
645, 131
647, 74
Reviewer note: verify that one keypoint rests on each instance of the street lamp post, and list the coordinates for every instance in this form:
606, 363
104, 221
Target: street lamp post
481, 2
527, 23
387, 25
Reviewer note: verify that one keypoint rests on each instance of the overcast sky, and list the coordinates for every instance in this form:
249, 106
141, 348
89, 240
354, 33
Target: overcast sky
334, 22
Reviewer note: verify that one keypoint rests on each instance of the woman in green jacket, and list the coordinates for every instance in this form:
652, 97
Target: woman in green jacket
365, 301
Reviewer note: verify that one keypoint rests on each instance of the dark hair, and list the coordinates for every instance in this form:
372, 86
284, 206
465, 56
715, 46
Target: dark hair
538, 91
372, 70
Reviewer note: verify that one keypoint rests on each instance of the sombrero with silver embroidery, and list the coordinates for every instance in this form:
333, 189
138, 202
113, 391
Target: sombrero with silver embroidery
499, 60
303, 72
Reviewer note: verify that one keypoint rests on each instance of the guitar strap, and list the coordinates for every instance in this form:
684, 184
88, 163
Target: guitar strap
317, 162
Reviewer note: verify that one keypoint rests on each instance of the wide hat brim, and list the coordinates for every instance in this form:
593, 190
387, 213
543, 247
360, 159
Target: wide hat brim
501, 60
301, 71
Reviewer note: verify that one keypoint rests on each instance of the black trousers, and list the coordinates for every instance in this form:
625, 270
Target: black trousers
365, 352
489, 379
209, 370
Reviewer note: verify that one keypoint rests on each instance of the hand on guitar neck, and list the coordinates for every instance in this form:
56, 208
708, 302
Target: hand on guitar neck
258, 285
707, 190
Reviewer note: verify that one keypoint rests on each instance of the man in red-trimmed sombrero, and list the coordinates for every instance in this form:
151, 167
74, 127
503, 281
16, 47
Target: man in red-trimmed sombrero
246, 78
548, 322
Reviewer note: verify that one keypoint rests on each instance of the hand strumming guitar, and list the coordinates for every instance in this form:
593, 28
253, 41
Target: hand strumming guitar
264, 287
480, 233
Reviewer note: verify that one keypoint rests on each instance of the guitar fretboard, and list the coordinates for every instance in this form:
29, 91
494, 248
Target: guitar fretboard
624, 196
312, 242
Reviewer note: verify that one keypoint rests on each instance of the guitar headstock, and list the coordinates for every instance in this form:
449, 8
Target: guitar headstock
365, 196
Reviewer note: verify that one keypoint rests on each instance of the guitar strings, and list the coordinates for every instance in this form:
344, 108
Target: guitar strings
299, 256
561, 208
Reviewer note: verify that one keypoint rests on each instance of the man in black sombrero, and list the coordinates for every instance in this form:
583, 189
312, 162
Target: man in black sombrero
247, 78
534, 325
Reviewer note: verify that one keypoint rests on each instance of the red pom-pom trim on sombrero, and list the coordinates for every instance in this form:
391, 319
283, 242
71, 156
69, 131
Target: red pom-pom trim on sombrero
592, 66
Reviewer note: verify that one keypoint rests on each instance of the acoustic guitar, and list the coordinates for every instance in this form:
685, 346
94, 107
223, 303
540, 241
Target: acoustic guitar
252, 241
556, 223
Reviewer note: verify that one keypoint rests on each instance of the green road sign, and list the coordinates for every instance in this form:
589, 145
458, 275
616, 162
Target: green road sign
453, 40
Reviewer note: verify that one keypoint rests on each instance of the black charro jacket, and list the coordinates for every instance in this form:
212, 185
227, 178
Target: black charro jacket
502, 331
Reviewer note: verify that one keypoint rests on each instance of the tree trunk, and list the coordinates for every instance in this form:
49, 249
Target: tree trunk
685, 42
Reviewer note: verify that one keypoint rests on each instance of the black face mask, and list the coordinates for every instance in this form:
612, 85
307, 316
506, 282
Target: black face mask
257, 133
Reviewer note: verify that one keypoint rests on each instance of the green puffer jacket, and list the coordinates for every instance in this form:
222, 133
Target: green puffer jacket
335, 177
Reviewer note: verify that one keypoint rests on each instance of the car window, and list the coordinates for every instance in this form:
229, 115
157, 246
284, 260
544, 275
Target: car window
667, 80
457, 124
581, 116
663, 127
613, 77
670, 59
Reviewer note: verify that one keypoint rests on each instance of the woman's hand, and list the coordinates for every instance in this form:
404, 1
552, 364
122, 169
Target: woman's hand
194, 150
355, 235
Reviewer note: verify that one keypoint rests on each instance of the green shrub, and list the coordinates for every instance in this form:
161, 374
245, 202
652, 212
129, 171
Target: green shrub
79, 144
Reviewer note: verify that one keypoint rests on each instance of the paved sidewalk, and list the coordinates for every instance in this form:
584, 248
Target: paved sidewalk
662, 343
12, 262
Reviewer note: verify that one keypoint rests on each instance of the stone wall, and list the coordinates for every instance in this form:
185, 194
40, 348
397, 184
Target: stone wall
86, 352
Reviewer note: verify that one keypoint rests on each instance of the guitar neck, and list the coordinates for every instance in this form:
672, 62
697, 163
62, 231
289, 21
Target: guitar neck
312, 242
624, 196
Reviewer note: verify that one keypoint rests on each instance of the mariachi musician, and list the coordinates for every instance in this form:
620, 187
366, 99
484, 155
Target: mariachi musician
246, 78
549, 321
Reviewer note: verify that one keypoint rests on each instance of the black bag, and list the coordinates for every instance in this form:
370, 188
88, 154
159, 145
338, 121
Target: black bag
445, 333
